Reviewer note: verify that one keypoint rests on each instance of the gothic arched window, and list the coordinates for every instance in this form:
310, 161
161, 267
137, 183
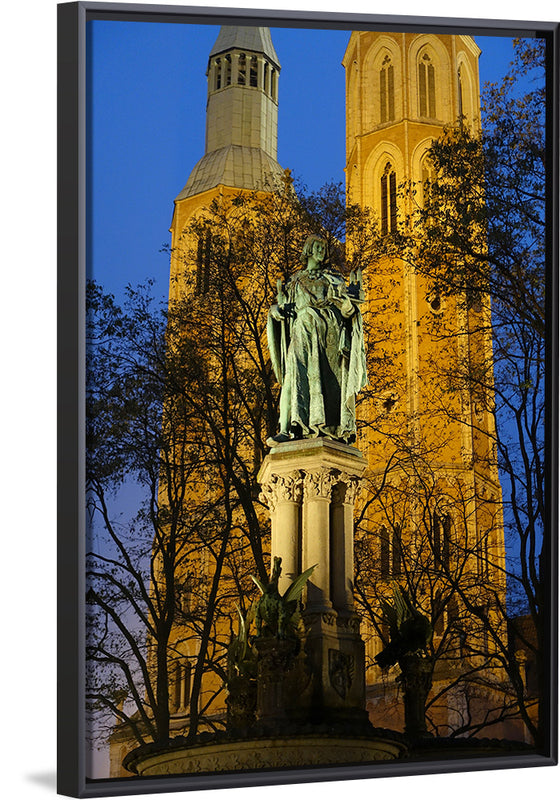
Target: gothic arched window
387, 90
482, 556
427, 176
388, 200
227, 81
182, 686
242, 70
396, 547
438, 613
390, 552
384, 552
253, 72
218, 68
460, 94
426, 87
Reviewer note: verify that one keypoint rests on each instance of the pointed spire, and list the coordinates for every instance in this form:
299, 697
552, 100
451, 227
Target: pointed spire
256, 40
241, 114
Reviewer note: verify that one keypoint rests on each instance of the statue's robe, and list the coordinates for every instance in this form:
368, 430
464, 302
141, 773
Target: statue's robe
318, 355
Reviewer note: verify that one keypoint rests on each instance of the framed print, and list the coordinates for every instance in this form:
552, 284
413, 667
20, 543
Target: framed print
308, 369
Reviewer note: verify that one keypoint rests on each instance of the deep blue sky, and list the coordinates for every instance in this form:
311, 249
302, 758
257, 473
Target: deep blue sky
146, 111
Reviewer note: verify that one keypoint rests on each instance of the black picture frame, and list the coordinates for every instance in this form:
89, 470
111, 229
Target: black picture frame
72, 210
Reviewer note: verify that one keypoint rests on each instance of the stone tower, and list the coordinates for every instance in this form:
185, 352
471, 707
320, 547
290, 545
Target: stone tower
401, 89
241, 130
239, 159
430, 440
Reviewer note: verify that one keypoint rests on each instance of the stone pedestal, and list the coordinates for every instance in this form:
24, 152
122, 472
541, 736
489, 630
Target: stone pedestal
241, 704
416, 676
310, 486
276, 658
184, 758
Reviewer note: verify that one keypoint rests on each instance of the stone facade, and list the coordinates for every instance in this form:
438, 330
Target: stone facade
429, 443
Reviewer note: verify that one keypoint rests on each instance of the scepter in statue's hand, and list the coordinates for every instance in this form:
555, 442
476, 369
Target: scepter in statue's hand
280, 296
284, 307
355, 289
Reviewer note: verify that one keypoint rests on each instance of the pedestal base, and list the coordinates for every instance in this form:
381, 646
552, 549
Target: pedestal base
310, 487
336, 658
249, 754
283, 685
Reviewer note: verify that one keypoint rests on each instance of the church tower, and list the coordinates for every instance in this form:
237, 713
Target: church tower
433, 517
239, 159
401, 89
241, 130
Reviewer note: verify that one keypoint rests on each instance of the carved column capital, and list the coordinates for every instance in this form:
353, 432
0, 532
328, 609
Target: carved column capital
282, 489
346, 489
318, 484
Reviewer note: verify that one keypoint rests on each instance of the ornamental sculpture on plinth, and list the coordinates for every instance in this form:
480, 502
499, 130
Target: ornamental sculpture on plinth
316, 343
311, 476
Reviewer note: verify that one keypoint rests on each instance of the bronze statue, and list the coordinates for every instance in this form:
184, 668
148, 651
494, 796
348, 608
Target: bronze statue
409, 630
276, 614
241, 658
316, 343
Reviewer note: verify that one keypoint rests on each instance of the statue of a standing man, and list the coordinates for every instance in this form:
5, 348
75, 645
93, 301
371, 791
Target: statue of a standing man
316, 343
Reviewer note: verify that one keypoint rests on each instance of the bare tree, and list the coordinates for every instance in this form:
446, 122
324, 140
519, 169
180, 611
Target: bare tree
475, 233
180, 402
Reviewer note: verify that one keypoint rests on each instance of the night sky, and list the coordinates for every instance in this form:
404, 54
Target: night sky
146, 113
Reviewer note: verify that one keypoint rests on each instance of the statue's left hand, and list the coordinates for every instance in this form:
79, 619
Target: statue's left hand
347, 307
280, 294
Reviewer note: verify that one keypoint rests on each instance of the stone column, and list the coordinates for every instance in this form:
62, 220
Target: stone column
283, 495
260, 73
342, 543
316, 527
212, 76
310, 487
234, 68
315, 536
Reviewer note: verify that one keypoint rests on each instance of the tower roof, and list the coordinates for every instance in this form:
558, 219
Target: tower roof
235, 166
241, 117
254, 39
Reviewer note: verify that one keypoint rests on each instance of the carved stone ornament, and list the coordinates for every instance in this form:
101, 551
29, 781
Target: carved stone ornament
282, 489
329, 617
351, 623
276, 657
319, 483
326, 617
346, 489
341, 671
261, 754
